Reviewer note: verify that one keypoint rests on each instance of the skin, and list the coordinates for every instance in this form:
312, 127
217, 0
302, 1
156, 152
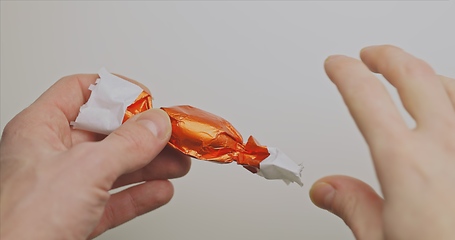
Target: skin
51, 184
415, 166
55, 180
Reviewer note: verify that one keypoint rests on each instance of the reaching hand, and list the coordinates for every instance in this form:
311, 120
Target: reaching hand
415, 167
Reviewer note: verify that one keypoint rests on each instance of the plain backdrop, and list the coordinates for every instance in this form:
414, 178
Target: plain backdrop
259, 64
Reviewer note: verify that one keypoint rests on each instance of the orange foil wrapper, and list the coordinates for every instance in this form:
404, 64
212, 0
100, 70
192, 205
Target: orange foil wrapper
195, 132
205, 136
142, 103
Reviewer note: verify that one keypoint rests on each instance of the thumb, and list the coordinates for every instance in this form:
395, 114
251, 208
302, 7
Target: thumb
135, 143
352, 200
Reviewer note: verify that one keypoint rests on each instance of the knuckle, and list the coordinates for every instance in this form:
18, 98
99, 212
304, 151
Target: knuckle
407, 64
110, 217
345, 208
19, 129
397, 145
136, 209
415, 67
17, 124
9, 130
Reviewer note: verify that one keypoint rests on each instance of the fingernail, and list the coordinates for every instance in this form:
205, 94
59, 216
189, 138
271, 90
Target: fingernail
366, 49
332, 58
157, 121
322, 195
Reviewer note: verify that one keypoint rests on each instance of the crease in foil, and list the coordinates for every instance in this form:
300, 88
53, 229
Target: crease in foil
195, 132
206, 136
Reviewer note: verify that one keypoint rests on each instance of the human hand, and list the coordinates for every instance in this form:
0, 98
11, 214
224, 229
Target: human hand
55, 180
415, 167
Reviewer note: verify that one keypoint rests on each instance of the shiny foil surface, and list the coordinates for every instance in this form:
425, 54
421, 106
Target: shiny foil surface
205, 136
142, 103
195, 132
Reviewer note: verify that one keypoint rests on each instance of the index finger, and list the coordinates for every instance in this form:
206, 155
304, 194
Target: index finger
371, 106
368, 101
68, 94
420, 89
49, 116
71, 92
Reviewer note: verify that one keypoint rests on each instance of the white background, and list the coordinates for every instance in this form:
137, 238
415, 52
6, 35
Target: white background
256, 63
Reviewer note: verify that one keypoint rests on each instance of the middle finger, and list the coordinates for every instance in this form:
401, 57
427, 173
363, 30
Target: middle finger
420, 89
168, 164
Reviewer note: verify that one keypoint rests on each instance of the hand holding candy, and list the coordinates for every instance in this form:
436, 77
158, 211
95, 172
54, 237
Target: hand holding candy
195, 132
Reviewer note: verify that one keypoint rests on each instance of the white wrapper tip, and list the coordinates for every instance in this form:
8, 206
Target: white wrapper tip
105, 109
280, 166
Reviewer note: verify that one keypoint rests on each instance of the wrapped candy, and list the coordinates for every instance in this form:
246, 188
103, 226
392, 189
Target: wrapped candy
195, 132
205, 136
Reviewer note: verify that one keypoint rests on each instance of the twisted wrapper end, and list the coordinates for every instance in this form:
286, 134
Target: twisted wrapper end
280, 166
